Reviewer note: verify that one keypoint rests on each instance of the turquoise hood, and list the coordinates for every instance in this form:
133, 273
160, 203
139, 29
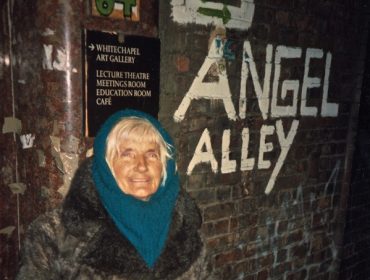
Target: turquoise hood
144, 223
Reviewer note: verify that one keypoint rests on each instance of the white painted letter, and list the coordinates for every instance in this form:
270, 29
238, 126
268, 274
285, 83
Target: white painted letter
211, 91
262, 94
288, 85
227, 165
246, 163
200, 156
309, 82
328, 109
265, 147
285, 144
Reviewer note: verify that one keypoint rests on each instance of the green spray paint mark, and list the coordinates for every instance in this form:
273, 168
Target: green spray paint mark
105, 7
229, 52
128, 4
224, 14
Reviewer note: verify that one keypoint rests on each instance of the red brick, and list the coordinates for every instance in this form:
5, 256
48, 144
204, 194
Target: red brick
227, 257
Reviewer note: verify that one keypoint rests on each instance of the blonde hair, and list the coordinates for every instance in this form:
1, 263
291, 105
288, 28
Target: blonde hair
136, 129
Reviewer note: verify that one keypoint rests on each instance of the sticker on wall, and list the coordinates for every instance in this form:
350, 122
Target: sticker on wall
238, 15
8, 231
18, 188
120, 72
27, 140
117, 9
12, 124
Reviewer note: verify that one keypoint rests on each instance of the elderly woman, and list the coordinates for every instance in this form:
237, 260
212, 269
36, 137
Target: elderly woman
125, 216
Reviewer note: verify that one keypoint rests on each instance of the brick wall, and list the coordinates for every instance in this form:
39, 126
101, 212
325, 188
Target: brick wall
8, 159
262, 100
43, 91
356, 253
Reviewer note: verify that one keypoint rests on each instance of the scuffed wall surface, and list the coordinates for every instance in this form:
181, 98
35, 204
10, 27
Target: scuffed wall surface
45, 95
45, 90
261, 98
263, 113
8, 160
356, 253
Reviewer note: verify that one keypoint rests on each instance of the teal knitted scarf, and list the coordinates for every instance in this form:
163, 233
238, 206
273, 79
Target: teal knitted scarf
144, 223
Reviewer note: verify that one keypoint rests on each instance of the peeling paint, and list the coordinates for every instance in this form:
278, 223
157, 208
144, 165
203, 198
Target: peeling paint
90, 152
18, 188
12, 124
72, 144
45, 192
56, 127
55, 59
8, 231
27, 140
7, 174
55, 151
41, 158
70, 164
48, 32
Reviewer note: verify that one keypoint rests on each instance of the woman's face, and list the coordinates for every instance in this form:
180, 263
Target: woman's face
138, 168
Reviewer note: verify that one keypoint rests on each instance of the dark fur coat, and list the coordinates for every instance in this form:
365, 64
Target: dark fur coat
80, 241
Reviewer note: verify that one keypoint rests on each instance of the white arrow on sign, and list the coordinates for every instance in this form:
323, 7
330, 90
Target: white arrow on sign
91, 47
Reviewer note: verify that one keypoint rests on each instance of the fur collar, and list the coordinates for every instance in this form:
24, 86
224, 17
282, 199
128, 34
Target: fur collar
109, 251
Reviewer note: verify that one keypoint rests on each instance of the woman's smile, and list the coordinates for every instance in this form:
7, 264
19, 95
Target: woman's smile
138, 168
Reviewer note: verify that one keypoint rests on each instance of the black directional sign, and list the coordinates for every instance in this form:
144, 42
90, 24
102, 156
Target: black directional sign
120, 72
